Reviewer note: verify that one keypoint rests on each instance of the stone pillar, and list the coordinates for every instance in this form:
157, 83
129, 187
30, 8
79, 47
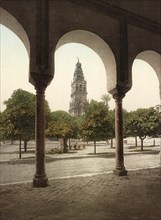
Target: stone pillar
40, 179
119, 169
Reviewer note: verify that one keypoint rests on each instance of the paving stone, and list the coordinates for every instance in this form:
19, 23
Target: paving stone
99, 197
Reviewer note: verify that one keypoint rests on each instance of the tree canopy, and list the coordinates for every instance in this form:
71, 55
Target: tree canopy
62, 126
96, 123
19, 116
106, 98
143, 122
18, 119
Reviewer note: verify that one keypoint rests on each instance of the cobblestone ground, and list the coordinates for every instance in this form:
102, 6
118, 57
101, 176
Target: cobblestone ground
100, 197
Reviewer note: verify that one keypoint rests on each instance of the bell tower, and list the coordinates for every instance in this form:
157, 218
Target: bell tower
78, 92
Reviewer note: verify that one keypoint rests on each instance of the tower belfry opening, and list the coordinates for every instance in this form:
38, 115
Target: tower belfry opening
78, 92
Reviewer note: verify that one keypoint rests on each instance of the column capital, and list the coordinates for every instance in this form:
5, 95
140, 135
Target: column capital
40, 88
39, 79
119, 96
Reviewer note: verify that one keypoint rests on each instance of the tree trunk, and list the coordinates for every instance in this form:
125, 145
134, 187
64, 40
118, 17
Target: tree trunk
111, 142
65, 145
69, 144
136, 142
154, 142
20, 148
25, 145
94, 147
142, 139
142, 144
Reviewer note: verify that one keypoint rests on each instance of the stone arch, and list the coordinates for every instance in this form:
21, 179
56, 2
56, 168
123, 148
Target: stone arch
154, 60
98, 45
9, 21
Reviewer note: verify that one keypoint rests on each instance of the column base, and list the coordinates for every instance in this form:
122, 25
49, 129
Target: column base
40, 181
120, 171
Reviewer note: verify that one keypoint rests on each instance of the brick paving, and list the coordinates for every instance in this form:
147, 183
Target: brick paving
99, 197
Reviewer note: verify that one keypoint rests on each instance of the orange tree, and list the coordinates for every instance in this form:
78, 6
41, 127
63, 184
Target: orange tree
96, 125
18, 119
62, 125
111, 133
143, 122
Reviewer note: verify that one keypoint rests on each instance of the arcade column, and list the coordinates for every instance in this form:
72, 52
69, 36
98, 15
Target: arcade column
41, 74
40, 179
119, 169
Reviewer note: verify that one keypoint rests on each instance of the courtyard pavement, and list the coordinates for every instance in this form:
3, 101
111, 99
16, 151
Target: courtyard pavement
82, 186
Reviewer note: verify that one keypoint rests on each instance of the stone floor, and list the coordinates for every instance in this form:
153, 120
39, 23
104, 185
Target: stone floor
82, 186
99, 197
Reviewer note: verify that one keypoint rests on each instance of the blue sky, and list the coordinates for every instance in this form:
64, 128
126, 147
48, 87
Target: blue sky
15, 67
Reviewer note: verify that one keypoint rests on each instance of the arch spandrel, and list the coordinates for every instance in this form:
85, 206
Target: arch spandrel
12, 23
34, 36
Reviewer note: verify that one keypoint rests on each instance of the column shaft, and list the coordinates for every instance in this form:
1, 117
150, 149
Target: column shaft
40, 179
119, 169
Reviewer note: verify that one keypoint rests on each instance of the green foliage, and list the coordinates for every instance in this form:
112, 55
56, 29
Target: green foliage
61, 129
7, 130
125, 115
60, 115
96, 124
106, 98
19, 116
48, 116
111, 119
79, 120
142, 123
18, 119
62, 126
